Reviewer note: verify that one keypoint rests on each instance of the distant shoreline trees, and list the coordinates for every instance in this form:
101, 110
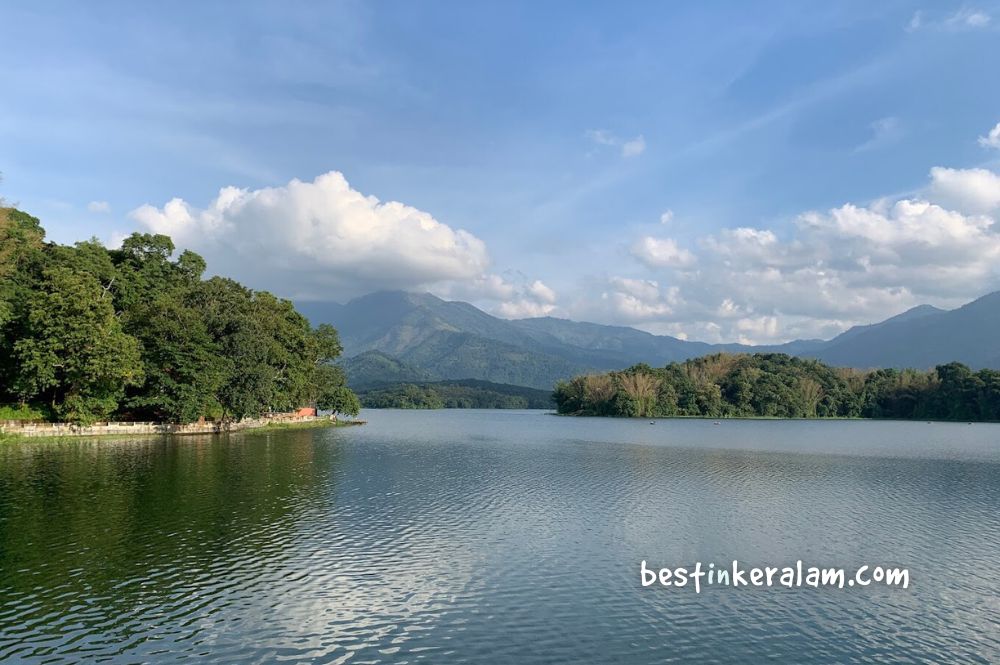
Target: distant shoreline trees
781, 386
88, 333
455, 394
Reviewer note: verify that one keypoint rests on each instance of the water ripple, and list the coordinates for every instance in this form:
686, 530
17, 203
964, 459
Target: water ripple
466, 537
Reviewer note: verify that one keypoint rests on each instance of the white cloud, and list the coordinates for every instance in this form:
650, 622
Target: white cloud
662, 252
968, 18
757, 328
511, 296
484, 287
540, 292
530, 300
629, 148
667, 216
851, 264
635, 147
523, 309
99, 207
116, 239
629, 300
970, 190
641, 300
644, 289
320, 239
991, 140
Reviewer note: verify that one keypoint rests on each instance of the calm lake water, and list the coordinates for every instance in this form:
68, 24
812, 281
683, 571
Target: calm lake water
500, 536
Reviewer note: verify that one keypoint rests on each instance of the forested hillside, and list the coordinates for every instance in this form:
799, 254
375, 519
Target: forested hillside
415, 334
88, 333
461, 394
777, 385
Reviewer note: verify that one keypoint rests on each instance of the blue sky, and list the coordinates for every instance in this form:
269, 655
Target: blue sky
534, 147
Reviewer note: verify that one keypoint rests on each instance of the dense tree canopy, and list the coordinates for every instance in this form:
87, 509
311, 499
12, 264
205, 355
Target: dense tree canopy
88, 333
781, 386
455, 394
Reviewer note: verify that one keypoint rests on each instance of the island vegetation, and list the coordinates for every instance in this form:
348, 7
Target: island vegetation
456, 394
136, 333
776, 385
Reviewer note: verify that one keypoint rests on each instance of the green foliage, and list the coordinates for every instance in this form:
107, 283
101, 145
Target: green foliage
93, 334
74, 354
459, 394
781, 386
22, 412
21, 238
332, 391
184, 369
446, 353
340, 400
405, 396
372, 369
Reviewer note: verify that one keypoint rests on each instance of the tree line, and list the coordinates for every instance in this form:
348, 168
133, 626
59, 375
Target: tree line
89, 333
454, 394
777, 385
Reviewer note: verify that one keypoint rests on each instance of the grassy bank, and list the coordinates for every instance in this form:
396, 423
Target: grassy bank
307, 425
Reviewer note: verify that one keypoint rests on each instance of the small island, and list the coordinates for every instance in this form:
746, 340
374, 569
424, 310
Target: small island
90, 334
775, 385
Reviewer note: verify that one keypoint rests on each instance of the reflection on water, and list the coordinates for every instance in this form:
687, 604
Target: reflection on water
457, 536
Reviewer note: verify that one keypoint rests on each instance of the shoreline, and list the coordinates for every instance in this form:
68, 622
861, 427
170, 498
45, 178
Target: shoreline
720, 419
11, 432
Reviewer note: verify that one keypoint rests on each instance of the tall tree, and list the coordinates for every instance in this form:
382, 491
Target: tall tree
74, 353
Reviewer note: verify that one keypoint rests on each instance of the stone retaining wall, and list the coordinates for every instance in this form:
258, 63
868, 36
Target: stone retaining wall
18, 428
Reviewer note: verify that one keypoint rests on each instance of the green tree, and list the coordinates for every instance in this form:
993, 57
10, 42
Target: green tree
74, 353
339, 400
21, 238
183, 367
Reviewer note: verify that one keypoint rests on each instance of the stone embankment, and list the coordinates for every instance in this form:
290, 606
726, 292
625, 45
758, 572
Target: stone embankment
32, 429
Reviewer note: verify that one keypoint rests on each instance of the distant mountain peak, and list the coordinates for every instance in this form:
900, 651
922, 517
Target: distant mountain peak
396, 296
916, 312
423, 333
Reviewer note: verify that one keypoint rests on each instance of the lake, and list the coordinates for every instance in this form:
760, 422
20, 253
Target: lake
500, 536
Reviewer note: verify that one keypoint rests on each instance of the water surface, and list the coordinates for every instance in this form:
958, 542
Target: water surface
499, 536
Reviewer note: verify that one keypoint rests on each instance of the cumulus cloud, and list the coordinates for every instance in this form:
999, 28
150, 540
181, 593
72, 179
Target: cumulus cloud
530, 300
640, 300
523, 309
970, 190
662, 253
99, 207
628, 147
320, 239
832, 269
484, 287
667, 216
992, 139
628, 300
511, 295
542, 293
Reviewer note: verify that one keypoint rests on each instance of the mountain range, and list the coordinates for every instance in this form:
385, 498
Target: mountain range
397, 336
